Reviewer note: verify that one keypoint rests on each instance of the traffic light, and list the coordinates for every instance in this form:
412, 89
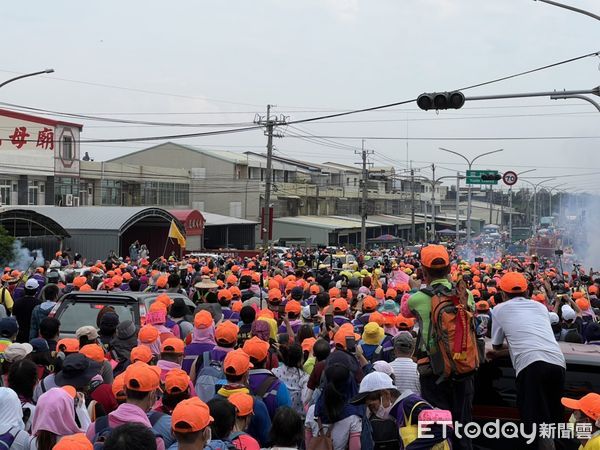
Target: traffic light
491, 177
441, 100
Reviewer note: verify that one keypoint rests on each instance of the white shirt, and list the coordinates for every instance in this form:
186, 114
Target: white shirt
406, 377
526, 326
340, 435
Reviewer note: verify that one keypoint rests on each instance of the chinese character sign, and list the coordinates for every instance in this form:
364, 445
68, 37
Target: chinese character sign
45, 139
19, 137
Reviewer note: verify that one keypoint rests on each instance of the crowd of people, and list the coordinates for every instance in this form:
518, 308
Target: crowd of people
279, 352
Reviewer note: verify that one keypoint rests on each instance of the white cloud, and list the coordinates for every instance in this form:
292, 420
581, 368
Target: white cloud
343, 10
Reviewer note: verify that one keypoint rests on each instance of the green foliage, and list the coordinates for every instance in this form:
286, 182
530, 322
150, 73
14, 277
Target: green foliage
6, 246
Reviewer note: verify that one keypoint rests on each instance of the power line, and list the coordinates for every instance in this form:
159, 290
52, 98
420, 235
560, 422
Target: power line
143, 91
468, 138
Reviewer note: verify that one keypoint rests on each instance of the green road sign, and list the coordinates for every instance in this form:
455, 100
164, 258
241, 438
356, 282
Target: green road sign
479, 176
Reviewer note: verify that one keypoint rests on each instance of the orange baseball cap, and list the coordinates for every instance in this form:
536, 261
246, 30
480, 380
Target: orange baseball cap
513, 283
172, 345
482, 305
224, 294
148, 334
226, 332
141, 353
391, 293
158, 307
235, 291
237, 306
232, 279
267, 313
190, 416
244, 403
369, 304
340, 304
79, 281
118, 280
118, 386
85, 288
273, 284
162, 281
377, 317
314, 289
203, 319
293, 306
346, 330
127, 276
68, 345
141, 377
404, 323
235, 268
334, 292
593, 289
176, 380
308, 344
379, 293
435, 257
274, 294
583, 303
237, 362
256, 348
77, 441
93, 352
588, 404
164, 299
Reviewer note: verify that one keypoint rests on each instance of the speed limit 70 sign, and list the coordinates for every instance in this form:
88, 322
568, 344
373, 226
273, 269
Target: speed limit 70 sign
509, 178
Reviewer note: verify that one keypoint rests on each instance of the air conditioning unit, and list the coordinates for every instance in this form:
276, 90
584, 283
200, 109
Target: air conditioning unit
69, 200
75, 201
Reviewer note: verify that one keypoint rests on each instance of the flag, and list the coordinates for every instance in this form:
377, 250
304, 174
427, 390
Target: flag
176, 234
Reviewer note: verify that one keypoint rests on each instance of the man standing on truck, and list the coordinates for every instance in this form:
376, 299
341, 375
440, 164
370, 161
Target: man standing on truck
536, 356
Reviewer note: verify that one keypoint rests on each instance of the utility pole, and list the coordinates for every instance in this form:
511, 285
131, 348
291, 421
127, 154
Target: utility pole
433, 181
491, 201
413, 229
364, 192
457, 206
270, 124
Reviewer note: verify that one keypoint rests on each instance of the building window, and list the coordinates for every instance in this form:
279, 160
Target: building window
150, 193
32, 192
64, 186
5, 192
67, 149
182, 194
348, 181
111, 192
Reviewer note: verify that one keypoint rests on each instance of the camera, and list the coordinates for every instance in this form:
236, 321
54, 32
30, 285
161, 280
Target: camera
558, 252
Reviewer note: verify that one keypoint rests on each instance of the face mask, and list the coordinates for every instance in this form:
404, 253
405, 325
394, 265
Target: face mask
383, 412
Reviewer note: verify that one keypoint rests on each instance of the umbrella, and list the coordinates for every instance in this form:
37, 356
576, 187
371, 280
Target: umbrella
446, 231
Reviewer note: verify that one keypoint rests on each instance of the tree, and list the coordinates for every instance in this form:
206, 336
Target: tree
6, 246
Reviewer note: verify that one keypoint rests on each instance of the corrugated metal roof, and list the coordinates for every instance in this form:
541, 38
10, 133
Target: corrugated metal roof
93, 217
326, 222
218, 219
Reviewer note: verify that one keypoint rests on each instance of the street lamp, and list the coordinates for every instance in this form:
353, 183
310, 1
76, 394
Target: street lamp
26, 76
510, 202
470, 164
535, 186
550, 189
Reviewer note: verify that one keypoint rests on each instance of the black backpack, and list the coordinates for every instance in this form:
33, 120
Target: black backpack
385, 434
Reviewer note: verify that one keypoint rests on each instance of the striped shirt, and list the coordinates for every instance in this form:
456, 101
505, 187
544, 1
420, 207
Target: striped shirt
406, 376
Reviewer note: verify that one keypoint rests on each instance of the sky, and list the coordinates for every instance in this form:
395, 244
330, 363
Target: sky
221, 62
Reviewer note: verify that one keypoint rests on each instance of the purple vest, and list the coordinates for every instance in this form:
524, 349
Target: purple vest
191, 352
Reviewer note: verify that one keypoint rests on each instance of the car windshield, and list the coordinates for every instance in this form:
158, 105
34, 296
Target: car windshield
74, 313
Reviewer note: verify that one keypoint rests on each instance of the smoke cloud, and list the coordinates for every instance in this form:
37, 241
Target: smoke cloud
23, 257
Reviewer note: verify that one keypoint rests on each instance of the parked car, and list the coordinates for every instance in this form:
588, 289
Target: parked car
496, 392
77, 309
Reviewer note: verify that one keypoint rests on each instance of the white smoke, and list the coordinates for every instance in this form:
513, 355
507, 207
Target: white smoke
581, 219
23, 257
